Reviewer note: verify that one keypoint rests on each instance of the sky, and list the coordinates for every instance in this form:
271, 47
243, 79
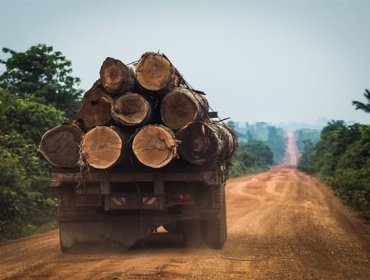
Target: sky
274, 61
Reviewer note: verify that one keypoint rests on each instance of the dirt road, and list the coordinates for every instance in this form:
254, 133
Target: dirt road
282, 224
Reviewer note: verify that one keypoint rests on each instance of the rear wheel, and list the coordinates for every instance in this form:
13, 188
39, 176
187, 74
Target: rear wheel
215, 227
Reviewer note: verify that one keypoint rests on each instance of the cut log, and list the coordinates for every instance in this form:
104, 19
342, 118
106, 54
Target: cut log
181, 106
155, 72
102, 147
130, 109
116, 77
61, 145
154, 145
94, 111
206, 143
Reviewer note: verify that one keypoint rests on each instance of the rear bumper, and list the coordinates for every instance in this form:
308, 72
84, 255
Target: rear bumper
153, 190
105, 178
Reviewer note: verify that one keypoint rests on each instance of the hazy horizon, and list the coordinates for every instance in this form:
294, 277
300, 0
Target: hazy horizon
272, 61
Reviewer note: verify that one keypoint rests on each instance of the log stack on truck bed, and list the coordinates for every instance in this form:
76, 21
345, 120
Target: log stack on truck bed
142, 140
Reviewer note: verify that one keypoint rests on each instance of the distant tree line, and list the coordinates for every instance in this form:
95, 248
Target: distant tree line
260, 146
37, 92
341, 157
270, 135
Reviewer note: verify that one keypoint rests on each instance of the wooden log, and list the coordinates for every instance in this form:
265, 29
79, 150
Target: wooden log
130, 109
206, 143
154, 146
61, 145
181, 106
102, 147
94, 111
116, 77
155, 72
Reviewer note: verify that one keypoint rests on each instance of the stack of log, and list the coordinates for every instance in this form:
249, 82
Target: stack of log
145, 111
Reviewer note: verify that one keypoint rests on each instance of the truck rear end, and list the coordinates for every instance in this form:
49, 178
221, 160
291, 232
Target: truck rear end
145, 150
116, 208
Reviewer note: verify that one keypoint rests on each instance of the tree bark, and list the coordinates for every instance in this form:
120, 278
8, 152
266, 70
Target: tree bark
206, 143
116, 77
130, 109
155, 72
181, 106
61, 145
102, 147
94, 111
154, 146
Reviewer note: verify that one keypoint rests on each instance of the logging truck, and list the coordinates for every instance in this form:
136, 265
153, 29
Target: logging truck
144, 151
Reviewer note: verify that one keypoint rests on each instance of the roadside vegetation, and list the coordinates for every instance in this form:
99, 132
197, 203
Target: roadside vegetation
306, 137
37, 92
260, 146
251, 157
341, 157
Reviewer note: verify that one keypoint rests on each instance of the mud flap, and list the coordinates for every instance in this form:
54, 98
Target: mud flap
111, 233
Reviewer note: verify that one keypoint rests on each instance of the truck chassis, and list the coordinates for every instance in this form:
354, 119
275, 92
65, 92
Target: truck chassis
116, 208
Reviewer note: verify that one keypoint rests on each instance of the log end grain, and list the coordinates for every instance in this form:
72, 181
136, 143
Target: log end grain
102, 147
131, 109
154, 71
181, 106
61, 145
154, 146
115, 76
206, 142
198, 143
94, 111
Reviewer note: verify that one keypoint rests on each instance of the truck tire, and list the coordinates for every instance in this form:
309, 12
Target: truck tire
216, 227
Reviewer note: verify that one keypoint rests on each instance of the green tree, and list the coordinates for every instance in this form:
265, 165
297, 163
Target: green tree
24, 198
37, 92
362, 106
26, 116
342, 158
25, 203
44, 73
305, 161
251, 157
